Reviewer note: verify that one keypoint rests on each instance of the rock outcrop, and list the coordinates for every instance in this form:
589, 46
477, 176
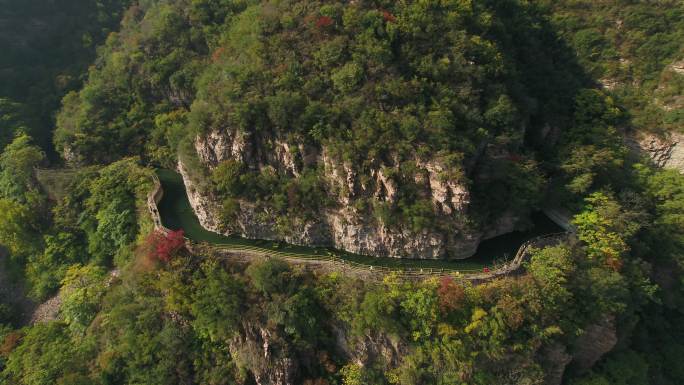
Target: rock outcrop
678, 67
666, 150
341, 225
555, 358
370, 348
215, 147
47, 311
597, 340
254, 350
205, 209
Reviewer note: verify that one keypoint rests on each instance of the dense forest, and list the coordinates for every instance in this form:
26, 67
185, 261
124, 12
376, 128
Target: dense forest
527, 104
47, 48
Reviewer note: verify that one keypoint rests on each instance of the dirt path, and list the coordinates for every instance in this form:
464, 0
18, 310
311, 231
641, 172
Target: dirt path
47, 311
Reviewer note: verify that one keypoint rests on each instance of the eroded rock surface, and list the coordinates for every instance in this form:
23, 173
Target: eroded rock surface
257, 351
597, 340
374, 347
555, 358
342, 225
665, 150
47, 311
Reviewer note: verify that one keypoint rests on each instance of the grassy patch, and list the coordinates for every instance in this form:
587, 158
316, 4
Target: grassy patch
55, 182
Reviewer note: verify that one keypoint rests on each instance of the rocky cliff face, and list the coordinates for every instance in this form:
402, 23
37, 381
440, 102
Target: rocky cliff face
666, 150
341, 226
260, 351
257, 349
598, 339
375, 347
254, 351
555, 358
204, 208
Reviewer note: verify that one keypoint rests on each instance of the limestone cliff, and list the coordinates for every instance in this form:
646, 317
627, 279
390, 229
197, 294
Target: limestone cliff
374, 347
595, 342
260, 351
341, 225
257, 349
666, 150
254, 351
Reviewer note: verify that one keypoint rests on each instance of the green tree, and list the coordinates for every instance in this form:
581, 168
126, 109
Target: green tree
299, 315
552, 268
116, 229
45, 271
12, 121
347, 77
107, 209
143, 346
270, 276
597, 226
82, 291
17, 233
352, 374
593, 153
377, 311
226, 177
46, 354
17, 164
420, 309
217, 303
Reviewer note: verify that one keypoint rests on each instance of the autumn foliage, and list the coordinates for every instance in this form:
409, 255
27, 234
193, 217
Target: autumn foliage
217, 54
162, 246
613, 263
9, 343
390, 18
451, 295
324, 21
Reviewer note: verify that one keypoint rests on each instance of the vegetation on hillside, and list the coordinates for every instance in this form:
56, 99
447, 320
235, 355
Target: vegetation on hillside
367, 80
46, 48
629, 47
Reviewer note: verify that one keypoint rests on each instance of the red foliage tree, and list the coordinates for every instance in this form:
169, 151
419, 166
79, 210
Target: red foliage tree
614, 263
324, 21
9, 343
170, 244
451, 295
515, 158
162, 246
217, 54
390, 18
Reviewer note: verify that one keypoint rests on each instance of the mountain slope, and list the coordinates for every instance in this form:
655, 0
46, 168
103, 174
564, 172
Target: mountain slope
332, 123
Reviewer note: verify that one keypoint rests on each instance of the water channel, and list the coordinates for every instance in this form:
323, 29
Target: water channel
176, 213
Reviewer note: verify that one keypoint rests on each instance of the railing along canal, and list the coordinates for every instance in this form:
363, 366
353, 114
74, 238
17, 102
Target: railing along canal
505, 268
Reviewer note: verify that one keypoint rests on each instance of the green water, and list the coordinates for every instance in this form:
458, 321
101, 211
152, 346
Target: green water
176, 213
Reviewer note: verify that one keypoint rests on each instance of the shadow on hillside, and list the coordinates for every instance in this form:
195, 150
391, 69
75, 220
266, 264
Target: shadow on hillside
546, 78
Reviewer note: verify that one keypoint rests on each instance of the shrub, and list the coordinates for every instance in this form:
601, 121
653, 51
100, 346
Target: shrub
164, 246
451, 295
269, 276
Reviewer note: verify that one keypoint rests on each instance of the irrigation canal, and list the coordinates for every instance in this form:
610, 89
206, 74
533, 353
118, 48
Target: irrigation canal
176, 213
